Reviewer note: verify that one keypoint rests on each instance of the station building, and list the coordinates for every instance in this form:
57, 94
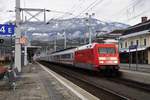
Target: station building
134, 44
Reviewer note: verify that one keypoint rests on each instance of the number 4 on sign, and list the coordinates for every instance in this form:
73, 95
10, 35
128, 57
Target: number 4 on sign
2, 29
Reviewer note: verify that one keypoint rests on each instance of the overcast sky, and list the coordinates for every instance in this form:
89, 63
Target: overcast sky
126, 11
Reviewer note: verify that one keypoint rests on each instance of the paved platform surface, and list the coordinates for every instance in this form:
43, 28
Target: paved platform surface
36, 84
140, 73
138, 67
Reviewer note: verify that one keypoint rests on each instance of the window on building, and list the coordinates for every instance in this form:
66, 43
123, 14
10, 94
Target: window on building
137, 42
125, 44
131, 43
144, 42
121, 45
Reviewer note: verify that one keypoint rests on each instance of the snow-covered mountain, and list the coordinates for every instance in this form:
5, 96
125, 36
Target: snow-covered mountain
73, 28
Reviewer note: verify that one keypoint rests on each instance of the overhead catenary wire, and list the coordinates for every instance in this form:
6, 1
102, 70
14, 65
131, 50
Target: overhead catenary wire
143, 12
92, 5
71, 10
133, 5
95, 5
137, 2
77, 6
127, 8
86, 8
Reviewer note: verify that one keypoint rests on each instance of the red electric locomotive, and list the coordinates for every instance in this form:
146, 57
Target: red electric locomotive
101, 57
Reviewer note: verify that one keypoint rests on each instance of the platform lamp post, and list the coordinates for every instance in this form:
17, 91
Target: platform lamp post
89, 25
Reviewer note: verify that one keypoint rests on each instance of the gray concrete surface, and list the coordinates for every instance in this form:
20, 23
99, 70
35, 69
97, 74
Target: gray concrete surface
36, 84
140, 77
138, 67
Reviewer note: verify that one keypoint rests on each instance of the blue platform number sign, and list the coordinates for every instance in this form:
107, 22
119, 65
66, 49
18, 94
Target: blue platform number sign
7, 29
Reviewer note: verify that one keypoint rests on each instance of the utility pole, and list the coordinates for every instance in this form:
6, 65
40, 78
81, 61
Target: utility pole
55, 40
65, 40
17, 38
89, 26
25, 56
44, 15
25, 51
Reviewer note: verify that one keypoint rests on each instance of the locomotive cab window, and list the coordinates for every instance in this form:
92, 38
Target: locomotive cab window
107, 50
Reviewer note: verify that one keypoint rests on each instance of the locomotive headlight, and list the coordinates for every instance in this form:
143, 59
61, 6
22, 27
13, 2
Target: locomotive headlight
102, 58
101, 62
116, 62
113, 58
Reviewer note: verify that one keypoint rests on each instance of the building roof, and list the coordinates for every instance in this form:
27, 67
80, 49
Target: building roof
138, 27
140, 24
135, 34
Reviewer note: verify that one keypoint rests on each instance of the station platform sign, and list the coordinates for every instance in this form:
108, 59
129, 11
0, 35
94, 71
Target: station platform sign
6, 29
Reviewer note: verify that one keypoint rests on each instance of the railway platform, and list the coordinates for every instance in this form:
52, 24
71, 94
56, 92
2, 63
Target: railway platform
139, 73
138, 67
39, 83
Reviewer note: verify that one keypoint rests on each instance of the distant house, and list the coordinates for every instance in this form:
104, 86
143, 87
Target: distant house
135, 43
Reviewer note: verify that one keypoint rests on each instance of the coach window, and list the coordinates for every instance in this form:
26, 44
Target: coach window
131, 43
54, 57
121, 45
62, 56
57, 56
137, 42
66, 56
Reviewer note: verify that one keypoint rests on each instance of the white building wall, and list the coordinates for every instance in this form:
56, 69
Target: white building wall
139, 38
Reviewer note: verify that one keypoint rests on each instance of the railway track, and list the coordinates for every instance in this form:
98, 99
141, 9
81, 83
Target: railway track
102, 87
114, 94
139, 86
